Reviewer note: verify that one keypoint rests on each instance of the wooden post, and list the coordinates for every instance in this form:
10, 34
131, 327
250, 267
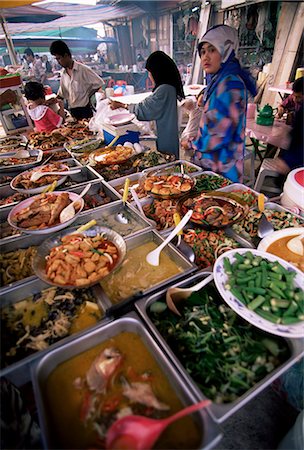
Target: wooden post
288, 37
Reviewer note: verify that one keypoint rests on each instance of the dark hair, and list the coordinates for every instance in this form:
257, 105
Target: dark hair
60, 48
165, 71
29, 52
34, 90
298, 85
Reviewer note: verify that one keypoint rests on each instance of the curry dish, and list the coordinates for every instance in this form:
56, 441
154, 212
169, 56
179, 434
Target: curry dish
136, 275
279, 248
116, 378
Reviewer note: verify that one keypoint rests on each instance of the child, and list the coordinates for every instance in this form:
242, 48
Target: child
45, 119
294, 101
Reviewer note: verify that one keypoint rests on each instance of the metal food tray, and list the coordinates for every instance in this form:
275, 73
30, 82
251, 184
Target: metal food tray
179, 162
100, 214
135, 241
220, 412
241, 187
81, 148
130, 323
21, 139
21, 167
20, 369
121, 181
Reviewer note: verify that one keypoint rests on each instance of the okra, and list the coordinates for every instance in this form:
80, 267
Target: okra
279, 303
288, 320
255, 290
268, 315
258, 301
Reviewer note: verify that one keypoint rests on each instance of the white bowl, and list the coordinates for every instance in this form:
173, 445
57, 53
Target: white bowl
295, 330
25, 203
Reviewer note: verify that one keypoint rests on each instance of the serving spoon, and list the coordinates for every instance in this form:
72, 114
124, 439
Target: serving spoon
295, 245
152, 258
69, 211
175, 294
22, 153
265, 227
141, 433
37, 175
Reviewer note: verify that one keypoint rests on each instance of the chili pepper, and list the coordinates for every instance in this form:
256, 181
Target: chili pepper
78, 254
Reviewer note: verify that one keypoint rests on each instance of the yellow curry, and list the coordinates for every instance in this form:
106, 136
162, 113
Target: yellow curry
279, 248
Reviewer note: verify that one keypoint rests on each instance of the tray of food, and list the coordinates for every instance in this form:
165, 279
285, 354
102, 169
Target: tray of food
161, 211
134, 183
210, 181
57, 154
222, 356
178, 166
44, 317
108, 156
146, 385
11, 142
136, 163
45, 213
85, 145
136, 277
73, 259
264, 289
209, 245
12, 162
276, 243
245, 193
159, 184
279, 217
212, 210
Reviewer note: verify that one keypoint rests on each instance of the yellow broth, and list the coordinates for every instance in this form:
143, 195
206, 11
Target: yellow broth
64, 420
136, 275
279, 248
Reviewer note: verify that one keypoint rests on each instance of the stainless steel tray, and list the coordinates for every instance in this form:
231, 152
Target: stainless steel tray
20, 369
20, 167
130, 323
240, 187
104, 216
179, 162
220, 412
133, 242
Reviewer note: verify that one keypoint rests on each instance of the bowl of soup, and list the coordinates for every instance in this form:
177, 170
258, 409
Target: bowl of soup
276, 243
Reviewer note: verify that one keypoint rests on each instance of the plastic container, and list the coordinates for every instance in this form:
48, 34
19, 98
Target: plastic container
293, 191
10, 81
130, 136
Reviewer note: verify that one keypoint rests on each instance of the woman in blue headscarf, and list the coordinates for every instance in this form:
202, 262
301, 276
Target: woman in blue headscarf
219, 145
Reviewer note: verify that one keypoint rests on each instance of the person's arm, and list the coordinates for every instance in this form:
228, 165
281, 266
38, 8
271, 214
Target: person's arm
153, 107
191, 130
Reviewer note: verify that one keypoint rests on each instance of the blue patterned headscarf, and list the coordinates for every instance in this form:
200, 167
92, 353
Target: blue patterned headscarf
225, 40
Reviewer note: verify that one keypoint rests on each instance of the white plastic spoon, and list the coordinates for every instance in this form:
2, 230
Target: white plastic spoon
295, 245
22, 153
36, 175
69, 211
152, 258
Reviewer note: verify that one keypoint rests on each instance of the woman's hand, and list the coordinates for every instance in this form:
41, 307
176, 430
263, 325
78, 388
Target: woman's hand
115, 105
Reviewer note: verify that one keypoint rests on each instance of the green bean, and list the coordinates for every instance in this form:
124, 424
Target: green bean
227, 266
279, 303
277, 290
237, 294
239, 257
293, 306
255, 290
244, 266
246, 279
258, 280
287, 320
258, 301
268, 315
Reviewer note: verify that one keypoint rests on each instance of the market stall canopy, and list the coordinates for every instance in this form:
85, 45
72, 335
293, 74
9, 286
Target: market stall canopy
28, 14
78, 15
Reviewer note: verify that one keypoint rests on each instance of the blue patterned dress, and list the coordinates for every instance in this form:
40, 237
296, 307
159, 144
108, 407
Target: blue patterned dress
221, 139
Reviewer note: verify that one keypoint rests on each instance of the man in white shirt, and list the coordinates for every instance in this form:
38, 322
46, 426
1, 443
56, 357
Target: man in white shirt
77, 83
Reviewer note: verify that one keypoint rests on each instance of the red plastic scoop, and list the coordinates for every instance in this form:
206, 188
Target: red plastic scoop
141, 433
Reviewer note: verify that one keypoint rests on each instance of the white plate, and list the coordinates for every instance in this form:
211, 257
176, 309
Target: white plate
25, 203
40, 189
120, 119
295, 330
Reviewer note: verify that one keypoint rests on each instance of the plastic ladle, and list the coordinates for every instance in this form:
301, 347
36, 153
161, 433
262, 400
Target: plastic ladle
296, 245
152, 258
69, 211
141, 433
36, 175
175, 294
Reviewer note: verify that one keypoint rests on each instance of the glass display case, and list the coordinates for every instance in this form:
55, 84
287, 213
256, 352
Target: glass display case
15, 118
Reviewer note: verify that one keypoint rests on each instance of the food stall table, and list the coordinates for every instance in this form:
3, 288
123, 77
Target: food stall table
137, 79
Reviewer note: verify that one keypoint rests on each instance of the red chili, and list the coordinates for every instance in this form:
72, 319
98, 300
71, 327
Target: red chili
79, 254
